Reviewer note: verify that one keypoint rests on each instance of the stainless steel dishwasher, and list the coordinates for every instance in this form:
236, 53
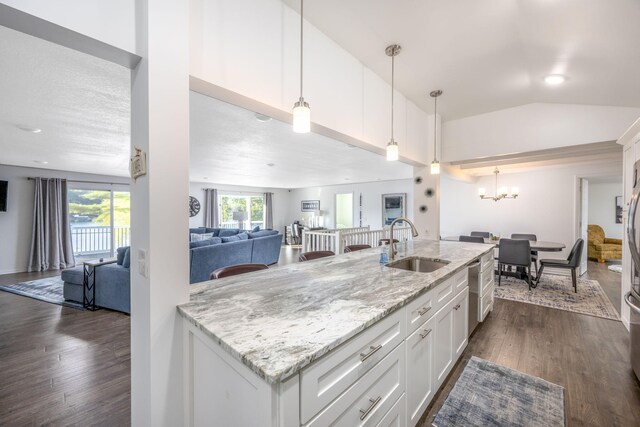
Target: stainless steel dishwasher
474, 294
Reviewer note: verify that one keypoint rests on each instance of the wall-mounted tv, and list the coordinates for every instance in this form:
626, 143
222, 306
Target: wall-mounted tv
4, 185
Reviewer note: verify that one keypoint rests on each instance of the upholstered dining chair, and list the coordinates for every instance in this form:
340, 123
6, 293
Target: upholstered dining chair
480, 234
516, 253
572, 263
471, 239
531, 238
308, 256
233, 270
355, 248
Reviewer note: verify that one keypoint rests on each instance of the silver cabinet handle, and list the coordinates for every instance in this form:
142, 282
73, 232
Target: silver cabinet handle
365, 412
365, 356
627, 299
424, 310
456, 307
425, 333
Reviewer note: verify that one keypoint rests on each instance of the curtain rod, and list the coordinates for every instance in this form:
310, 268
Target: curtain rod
82, 182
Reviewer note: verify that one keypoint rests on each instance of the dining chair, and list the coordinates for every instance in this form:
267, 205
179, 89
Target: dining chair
233, 270
531, 238
516, 253
572, 262
354, 248
480, 234
308, 256
471, 239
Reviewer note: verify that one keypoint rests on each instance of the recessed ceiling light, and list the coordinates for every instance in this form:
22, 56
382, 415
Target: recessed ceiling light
262, 117
40, 162
347, 179
205, 177
29, 129
554, 79
271, 164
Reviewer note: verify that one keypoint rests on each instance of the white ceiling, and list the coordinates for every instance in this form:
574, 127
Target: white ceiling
493, 54
82, 105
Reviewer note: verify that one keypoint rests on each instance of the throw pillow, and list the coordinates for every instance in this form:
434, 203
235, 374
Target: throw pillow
243, 235
226, 232
230, 239
256, 228
263, 233
121, 251
126, 262
208, 242
196, 237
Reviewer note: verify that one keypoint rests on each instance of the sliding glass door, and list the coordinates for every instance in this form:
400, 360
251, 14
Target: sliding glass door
99, 221
238, 211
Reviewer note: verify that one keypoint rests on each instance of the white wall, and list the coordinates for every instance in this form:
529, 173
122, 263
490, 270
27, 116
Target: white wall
533, 127
263, 64
546, 205
602, 206
280, 201
17, 223
371, 201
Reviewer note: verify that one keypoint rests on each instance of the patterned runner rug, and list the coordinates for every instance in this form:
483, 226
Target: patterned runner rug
487, 394
48, 290
557, 292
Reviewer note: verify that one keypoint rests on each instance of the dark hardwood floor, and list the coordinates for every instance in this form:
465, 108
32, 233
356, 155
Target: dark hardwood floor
610, 281
62, 366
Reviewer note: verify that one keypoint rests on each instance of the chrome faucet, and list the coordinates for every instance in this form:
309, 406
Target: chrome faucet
392, 246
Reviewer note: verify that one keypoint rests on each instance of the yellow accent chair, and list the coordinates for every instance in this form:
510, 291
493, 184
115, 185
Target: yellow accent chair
602, 248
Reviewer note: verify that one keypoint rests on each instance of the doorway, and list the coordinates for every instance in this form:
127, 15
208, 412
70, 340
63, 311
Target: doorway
344, 210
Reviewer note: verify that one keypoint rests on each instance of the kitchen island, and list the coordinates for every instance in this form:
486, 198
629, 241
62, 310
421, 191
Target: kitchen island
341, 340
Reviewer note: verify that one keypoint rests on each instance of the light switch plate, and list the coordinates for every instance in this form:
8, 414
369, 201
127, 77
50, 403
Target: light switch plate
142, 262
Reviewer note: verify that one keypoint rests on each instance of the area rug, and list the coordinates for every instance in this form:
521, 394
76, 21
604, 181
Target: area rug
487, 394
48, 290
556, 291
615, 267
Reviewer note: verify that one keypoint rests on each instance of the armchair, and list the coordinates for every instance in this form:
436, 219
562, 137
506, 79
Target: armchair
601, 247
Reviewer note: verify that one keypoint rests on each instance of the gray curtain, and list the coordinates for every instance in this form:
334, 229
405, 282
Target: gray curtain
211, 218
51, 247
268, 210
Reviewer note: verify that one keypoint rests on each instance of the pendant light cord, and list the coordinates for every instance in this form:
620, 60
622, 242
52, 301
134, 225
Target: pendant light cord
435, 128
393, 63
301, 42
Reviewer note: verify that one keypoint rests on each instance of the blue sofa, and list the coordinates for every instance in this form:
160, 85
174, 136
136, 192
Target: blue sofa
234, 247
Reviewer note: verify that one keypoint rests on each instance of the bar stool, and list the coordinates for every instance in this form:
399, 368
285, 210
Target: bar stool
354, 248
233, 270
308, 256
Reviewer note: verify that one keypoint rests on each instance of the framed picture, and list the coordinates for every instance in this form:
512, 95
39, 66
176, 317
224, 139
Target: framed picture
618, 209
310, 205
393, 206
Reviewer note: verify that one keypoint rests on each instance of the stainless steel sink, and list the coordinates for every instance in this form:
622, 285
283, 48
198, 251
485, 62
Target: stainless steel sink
419, 264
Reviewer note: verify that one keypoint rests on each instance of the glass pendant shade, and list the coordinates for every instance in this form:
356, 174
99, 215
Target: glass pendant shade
392, 151
301, 117
482, 192
435, 168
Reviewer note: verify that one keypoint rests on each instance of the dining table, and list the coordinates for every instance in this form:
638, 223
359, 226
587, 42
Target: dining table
536, 246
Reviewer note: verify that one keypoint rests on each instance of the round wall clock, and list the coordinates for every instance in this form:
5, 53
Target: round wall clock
194, 206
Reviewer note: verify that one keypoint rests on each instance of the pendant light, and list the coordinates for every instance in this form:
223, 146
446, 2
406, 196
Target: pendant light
392, 146
301, 110
435, 165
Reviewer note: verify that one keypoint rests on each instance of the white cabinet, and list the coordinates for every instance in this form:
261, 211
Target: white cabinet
443, 350
460, 310
420, 389
396, 417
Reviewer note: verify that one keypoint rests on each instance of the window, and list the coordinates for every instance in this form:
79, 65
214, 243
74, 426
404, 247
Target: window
238, 211
99, 221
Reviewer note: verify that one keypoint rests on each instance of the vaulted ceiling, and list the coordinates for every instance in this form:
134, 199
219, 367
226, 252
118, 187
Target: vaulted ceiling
493, 54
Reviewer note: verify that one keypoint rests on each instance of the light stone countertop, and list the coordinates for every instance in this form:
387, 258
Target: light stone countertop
278, 321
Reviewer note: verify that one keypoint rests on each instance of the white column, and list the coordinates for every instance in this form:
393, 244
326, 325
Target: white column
428, 222
160, 126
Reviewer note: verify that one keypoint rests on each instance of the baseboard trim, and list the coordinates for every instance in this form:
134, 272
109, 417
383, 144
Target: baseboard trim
14, 271
625, 322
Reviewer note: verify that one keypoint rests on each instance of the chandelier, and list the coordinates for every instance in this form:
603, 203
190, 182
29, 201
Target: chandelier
502, 193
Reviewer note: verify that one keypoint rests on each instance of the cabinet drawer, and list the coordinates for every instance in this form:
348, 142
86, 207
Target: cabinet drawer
486, 260
444, 293
367, 402
329, 377
461, 279
486, 302
486, 278
420, 309
396, 415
